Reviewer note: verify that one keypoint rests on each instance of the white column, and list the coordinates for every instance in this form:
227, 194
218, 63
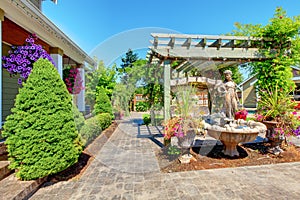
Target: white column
1, 19
167, 87
80, 96
57, 56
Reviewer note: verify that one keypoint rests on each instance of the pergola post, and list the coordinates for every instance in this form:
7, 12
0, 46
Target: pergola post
167, 88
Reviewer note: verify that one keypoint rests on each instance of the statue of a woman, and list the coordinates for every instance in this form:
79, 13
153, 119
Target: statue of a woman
231, 97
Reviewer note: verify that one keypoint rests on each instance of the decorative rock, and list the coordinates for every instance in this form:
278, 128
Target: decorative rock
186, 158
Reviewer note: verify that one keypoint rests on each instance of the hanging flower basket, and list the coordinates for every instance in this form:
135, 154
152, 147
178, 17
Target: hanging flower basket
73, 80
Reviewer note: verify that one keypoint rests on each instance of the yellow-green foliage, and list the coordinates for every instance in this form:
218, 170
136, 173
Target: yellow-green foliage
90, 130
103, 104
41, 135
104, 120
93, 127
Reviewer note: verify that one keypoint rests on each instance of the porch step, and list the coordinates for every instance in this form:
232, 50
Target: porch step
4, 171
13, 189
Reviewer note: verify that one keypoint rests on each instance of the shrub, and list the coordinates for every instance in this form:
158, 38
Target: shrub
78, 118
102, 104
141, 106
104, 120
146, 119
90, 130
41, 135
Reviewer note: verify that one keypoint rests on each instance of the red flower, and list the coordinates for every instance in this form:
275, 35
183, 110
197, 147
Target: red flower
242, 114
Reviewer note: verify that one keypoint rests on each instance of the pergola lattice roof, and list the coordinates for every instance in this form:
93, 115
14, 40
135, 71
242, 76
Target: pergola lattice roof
201, 51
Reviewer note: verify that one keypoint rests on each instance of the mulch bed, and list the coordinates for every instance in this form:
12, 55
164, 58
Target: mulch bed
250, 155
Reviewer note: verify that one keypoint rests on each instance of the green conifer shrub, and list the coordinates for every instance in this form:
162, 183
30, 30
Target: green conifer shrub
104, 120
90, 130
78, 118
41, 135
102, 104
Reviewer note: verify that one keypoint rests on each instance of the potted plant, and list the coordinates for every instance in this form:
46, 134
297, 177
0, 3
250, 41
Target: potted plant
185, 101
276, 111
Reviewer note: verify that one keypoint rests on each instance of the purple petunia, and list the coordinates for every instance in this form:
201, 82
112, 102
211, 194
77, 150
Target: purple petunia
21, 58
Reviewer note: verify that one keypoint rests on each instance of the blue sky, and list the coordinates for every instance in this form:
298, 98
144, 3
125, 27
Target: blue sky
105, 25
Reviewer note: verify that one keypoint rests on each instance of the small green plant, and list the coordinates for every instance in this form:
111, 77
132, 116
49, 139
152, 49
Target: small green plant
173, 150
146, 119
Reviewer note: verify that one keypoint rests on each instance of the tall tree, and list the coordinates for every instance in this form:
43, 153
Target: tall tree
129, 59
127, 65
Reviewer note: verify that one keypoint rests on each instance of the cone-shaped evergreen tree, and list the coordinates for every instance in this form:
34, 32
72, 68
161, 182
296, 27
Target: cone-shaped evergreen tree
41, 136
102, 104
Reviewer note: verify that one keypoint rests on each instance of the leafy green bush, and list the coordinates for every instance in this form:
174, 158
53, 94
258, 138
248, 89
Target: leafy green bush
141, 106
93, 127
104, 120
146, 119
90, 130
78, 118
102, 104
41, 135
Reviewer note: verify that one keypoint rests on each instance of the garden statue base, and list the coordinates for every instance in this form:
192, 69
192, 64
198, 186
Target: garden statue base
240, 131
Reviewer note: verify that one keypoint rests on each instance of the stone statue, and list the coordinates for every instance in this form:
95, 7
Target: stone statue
231, 97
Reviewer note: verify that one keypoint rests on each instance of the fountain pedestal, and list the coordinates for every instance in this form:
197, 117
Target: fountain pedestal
232, 139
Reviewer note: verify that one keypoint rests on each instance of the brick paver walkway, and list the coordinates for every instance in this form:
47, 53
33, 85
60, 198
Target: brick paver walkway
126, 168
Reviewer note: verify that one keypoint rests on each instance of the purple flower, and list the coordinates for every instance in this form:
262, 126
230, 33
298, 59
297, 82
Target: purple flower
20, 59
19, 81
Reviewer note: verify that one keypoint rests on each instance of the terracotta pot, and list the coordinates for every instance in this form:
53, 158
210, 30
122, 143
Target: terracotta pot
271, 125
275, 141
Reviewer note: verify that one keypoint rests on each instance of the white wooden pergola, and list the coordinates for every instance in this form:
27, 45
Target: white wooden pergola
201, 52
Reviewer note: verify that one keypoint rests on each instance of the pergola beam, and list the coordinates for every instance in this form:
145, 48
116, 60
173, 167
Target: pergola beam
209, 53
187, 43
216, 43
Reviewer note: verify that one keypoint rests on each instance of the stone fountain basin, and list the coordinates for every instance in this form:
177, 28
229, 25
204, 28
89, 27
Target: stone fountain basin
232, 139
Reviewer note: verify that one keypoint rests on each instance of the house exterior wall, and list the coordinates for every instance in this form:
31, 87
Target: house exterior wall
9, 91
249, 94
10, 88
